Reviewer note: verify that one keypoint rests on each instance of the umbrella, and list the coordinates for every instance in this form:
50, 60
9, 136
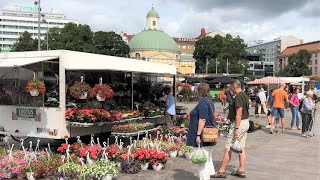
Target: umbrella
194, 80
268, 80
222, 80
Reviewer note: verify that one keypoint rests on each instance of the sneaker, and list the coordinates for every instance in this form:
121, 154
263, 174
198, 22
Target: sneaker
310, 134
303, 135
293, 128
298, 128
271, 131
268, 126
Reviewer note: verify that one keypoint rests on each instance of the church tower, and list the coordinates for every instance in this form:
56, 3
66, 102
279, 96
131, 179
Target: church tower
153, 20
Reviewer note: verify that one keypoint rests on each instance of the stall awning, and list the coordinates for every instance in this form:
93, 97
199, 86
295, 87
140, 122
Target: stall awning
18, 62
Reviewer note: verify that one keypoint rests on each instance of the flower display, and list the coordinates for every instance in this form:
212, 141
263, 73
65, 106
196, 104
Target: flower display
132, 127
158, 157
12, 167
103, 90
222, 123
36, 84
79, 89
143, 155
87, 115
93, 151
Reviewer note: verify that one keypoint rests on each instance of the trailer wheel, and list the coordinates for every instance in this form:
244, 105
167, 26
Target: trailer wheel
19, 138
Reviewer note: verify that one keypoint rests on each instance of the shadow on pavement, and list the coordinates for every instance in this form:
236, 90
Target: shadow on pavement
181, 174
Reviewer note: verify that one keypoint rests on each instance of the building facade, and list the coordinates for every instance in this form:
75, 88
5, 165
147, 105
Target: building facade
152, 44
16, 20
312, 47
258, 68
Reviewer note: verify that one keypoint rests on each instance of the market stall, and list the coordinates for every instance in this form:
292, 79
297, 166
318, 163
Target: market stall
58, 94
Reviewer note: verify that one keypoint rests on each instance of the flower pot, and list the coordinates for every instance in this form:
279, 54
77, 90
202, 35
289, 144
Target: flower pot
106, 177
30, 176
180, 153
83, 95
158, 167
173, 154
188, 155
99, 98
145, 166
34, 92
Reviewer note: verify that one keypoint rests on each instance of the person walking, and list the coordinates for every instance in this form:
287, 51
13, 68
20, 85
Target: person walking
306, 113
223, 98
229, 98
263, 102
280, 97
170, 113
238, 115
200, 117
294, 106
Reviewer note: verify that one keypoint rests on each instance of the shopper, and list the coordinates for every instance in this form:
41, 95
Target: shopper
223, 98
238, 115
170, 113
202, 116
306, 112
294, 106
229, 97
280, 98
263, 102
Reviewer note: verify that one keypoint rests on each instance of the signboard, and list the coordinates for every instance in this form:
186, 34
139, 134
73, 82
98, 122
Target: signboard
33, 9
26, 112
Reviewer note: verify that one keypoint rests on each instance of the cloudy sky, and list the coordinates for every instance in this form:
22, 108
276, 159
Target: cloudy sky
250, 19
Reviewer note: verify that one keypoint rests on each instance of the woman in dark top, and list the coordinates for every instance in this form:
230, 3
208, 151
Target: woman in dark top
202, 116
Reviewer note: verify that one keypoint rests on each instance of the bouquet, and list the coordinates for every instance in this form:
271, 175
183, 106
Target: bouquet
79, 90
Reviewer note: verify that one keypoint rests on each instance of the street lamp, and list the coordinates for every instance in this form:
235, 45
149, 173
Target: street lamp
37, 3
45, 21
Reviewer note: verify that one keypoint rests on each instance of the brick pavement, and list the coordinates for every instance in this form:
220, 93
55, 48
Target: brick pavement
277, 157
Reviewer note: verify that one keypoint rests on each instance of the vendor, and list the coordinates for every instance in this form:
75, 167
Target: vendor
170, 113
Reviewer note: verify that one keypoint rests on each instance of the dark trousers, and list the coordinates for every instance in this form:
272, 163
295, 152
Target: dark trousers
169, 120
306, 122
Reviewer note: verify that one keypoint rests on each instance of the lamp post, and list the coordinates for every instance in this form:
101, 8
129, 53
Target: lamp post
217, 62
37, 3
227, 66
45, 21
207, 63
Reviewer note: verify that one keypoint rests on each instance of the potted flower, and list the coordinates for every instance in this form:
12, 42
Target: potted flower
104, 169
158, 159
79, 90
101, 91
129, 165
143, 156
187, 150
35, 86
90, 153
70, 170
173, 150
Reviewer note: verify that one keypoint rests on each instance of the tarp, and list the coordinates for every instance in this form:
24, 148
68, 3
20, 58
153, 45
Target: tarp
267, 80
18, 62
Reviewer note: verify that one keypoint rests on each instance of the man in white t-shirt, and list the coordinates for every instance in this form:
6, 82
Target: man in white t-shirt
263, 100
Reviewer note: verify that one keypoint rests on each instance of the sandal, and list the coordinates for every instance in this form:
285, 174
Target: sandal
219, 175
238, 173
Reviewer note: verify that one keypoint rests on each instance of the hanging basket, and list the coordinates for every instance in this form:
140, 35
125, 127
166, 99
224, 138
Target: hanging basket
99, 98
83, 95
34, 92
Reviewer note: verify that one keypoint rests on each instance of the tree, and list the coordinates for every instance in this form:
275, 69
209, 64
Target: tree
110, 43
221, 48
297, 65
25, 43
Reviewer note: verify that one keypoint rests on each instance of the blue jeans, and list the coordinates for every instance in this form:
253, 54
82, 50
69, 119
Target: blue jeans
295, 116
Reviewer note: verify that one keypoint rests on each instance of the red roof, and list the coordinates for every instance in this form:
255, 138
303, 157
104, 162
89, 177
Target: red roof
311, 47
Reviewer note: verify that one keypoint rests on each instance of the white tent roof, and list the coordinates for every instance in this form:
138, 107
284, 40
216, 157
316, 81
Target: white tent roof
294, 79
18, 62
72, 60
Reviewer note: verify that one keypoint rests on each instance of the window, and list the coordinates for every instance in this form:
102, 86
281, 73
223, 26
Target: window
310, 62
315, 70
177, 56
316, 55
316, 61
138, 56
154, 23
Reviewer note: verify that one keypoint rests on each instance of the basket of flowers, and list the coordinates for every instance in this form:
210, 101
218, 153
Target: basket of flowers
35, 86
79, 90
101, 91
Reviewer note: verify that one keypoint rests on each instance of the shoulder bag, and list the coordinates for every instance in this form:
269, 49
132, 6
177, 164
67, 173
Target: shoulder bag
209, 133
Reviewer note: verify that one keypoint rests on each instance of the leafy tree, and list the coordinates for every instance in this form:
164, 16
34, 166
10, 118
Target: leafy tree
221, 48
297, 65
25, 43
110, 43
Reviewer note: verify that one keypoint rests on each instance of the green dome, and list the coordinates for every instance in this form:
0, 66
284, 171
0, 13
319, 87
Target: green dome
153, 40
153, 13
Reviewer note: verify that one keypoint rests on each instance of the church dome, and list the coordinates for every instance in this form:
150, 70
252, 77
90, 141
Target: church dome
153, 13
153, 40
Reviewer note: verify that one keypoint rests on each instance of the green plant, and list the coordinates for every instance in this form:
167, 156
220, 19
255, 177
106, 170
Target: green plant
104, 167
187, 149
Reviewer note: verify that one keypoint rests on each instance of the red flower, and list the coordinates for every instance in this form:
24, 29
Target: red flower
83, 152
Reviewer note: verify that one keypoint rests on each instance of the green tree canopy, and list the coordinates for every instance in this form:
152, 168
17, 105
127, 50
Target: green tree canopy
297, 65
110, 43
25, 43
221, 48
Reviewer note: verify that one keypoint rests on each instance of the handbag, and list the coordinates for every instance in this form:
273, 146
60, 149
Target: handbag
209, 133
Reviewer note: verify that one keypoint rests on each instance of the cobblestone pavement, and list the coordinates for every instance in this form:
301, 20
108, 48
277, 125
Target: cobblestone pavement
269, 157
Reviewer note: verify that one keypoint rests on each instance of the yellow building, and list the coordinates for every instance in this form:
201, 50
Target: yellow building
154, 45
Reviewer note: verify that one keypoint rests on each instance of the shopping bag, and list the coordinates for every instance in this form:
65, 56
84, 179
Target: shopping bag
199, 156
236, 146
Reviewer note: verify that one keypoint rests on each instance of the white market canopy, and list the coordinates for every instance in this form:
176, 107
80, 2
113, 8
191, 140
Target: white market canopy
295, 80
268, 80
72, 60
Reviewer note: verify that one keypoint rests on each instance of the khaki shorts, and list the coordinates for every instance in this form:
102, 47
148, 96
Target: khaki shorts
244, 126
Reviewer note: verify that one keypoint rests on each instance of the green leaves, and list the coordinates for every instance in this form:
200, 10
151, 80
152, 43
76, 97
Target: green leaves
220, 48
297, 65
